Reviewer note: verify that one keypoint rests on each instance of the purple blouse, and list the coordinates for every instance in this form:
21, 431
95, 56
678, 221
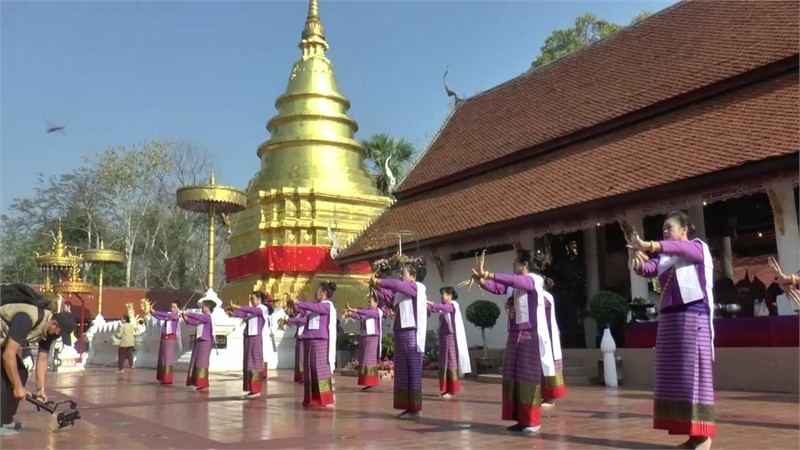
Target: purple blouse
196, 319
366, 313
298, 321
246, 312
500, 286
321, 308
389, 287
690, 251
167, 317
444, 308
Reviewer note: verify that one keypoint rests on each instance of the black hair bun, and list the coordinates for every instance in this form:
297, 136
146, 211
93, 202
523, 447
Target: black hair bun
332, 285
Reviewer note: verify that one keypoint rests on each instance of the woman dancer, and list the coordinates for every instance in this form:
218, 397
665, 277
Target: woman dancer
256, 316
319, 346
169, 342
684, 383
453, 351
201, 349
370, 342
522, 368
409, 299
268, 335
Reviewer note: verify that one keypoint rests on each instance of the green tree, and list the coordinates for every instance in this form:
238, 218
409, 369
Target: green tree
587, 30
398, 151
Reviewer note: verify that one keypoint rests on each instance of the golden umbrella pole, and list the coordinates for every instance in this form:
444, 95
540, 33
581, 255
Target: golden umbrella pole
100, 257
211, 199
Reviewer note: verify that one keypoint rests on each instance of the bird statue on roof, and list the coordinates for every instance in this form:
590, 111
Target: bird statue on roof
450, 92
332, 237
389, 176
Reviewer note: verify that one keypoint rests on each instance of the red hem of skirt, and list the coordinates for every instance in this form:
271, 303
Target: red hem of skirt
368, 380
253, 386
325, 398
197, 382
408, 406
164, 378
552, 393
523, 414
449, 386
683, 427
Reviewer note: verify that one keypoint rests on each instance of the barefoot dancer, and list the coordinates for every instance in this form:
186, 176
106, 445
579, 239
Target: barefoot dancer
409, 300
319, 346
169, 342
203, 342
369, 342
684, 383
453, 351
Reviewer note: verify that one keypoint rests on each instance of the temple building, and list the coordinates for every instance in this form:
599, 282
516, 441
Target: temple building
311, 192
695, 108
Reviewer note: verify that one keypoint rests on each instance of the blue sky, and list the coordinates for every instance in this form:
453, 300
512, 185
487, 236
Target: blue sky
120, 73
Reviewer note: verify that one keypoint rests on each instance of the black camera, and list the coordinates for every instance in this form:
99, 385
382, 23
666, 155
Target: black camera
65, 418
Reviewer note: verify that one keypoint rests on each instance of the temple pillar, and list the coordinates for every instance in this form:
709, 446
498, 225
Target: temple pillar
591, 260
787, 233
696, 214
635, 218
727, 256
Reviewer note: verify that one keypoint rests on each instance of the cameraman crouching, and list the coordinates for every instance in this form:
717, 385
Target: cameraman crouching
23, 323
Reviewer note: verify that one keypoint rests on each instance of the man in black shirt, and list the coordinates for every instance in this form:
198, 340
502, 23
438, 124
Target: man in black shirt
22, 324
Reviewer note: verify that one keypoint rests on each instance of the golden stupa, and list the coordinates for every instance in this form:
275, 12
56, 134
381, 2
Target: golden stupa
311, 193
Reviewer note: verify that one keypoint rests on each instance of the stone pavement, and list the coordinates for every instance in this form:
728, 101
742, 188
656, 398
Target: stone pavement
131, 411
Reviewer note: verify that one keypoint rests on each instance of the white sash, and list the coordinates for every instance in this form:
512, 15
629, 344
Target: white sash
545, 344
312, 321
201, 327
331, 334
252, 321
168, 326
462, 350
380, 333
552, 341
267, 336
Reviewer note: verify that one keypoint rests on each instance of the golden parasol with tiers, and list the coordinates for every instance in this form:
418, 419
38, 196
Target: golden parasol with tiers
212, 199
58, 260
100, 257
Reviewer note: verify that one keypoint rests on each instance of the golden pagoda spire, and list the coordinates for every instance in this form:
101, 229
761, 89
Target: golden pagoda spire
312, 142
313, 41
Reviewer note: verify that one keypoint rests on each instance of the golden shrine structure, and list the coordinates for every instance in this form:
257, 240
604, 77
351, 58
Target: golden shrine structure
312, 193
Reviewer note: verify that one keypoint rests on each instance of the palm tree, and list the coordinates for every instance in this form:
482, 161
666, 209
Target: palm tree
381, 147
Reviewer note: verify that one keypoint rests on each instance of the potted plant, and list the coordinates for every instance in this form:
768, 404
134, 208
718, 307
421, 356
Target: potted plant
483, 314
608, 308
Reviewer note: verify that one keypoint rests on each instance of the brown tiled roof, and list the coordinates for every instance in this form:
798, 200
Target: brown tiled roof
115, 299
684, 48
753, 123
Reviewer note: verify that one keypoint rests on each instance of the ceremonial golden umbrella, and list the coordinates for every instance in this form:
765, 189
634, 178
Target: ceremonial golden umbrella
100, 257
212, 199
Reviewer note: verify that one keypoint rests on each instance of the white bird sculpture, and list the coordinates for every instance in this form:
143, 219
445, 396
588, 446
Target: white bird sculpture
332, 237
392, 180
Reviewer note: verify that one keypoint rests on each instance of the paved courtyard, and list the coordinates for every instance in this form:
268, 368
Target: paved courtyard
131, 411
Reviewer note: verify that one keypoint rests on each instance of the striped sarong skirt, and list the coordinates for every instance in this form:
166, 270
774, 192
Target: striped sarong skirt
448, 364
522, 373
252, 364
684, 379
368, 361
166, 358
553, 387
298, 360
407, 371
317, 380
198, 365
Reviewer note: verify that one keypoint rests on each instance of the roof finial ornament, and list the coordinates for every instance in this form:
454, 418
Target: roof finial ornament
313, 39
450, 92
392, 182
